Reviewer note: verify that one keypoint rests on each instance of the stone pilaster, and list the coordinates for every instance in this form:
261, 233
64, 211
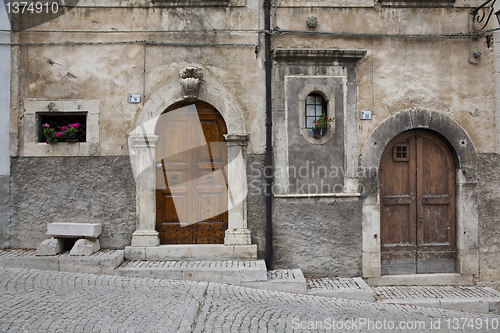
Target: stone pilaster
237, 233
144, 158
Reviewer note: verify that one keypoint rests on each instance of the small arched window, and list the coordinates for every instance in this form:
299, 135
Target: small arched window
316, 116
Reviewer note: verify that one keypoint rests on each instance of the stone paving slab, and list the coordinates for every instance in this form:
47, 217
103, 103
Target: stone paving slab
221, 271
44, 301
100, 262
349, 288
459, 298
251, 273
286, 280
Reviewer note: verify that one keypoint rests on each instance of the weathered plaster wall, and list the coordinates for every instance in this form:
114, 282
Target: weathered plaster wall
4, 128
322, 237
404, 73
256, 202
4, 92
72, 189
489, 222
5, 211
109, 73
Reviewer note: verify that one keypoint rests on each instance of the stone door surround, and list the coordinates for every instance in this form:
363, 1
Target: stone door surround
142, 146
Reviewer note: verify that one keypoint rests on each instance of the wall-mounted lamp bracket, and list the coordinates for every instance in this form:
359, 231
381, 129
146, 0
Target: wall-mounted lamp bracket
480, 16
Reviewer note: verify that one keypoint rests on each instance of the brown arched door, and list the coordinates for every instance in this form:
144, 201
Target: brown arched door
417, 205
191, 178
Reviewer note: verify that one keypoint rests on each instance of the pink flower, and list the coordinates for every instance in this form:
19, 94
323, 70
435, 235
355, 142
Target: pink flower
58, 134
63, 128
76, 125
317, 123
329, 125
46, 125
47, 141
326, 118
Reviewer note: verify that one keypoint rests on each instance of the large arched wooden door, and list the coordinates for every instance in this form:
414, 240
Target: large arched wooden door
417, 203
191, 178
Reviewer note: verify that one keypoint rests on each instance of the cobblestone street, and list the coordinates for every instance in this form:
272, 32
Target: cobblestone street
45, 301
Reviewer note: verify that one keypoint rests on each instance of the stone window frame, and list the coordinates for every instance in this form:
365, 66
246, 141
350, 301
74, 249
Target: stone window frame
330, 106
39, 149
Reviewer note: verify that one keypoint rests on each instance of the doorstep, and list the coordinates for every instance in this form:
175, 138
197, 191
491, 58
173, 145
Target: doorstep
458, 298
338, 287
438, 279
192, 252
285, 280
234, 272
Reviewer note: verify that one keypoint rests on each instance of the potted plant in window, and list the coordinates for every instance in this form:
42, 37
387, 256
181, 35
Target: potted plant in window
65, 133
321, 125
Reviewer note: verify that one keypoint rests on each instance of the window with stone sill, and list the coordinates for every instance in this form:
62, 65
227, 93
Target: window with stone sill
37, 112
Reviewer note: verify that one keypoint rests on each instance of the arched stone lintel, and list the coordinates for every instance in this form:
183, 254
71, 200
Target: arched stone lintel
425, 119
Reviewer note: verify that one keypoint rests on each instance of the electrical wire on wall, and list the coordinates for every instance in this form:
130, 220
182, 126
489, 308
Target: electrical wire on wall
275, 31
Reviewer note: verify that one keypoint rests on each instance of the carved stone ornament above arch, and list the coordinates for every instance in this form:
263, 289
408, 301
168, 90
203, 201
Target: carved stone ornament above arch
190, 82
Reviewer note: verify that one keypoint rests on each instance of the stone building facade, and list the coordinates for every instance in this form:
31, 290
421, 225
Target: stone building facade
380, 68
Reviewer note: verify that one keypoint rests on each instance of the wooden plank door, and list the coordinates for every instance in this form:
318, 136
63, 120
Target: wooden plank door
436, 247
191, 195
417, 193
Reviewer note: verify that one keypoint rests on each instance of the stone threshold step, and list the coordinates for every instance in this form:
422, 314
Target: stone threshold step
100, 262
481, 305
285, 280
338, 287
221, 271
458, 298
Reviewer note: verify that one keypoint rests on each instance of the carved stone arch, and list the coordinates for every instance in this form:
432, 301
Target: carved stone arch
208, 92
142, 146
466, 187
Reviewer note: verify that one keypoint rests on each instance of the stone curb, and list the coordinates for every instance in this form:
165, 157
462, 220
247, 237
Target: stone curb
481, 305
232, 275
364, 293
297, 284
99, 263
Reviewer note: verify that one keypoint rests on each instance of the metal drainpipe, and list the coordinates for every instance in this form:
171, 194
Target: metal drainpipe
269, 135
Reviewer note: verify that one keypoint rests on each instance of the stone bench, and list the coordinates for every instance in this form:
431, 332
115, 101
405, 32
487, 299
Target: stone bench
86, 233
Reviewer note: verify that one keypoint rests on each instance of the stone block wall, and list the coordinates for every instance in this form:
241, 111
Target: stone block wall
323, 237
489, 218
72, 189
256, 202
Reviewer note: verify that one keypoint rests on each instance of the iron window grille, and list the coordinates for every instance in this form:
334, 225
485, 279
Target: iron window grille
315, 107
401, 153
63, 119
